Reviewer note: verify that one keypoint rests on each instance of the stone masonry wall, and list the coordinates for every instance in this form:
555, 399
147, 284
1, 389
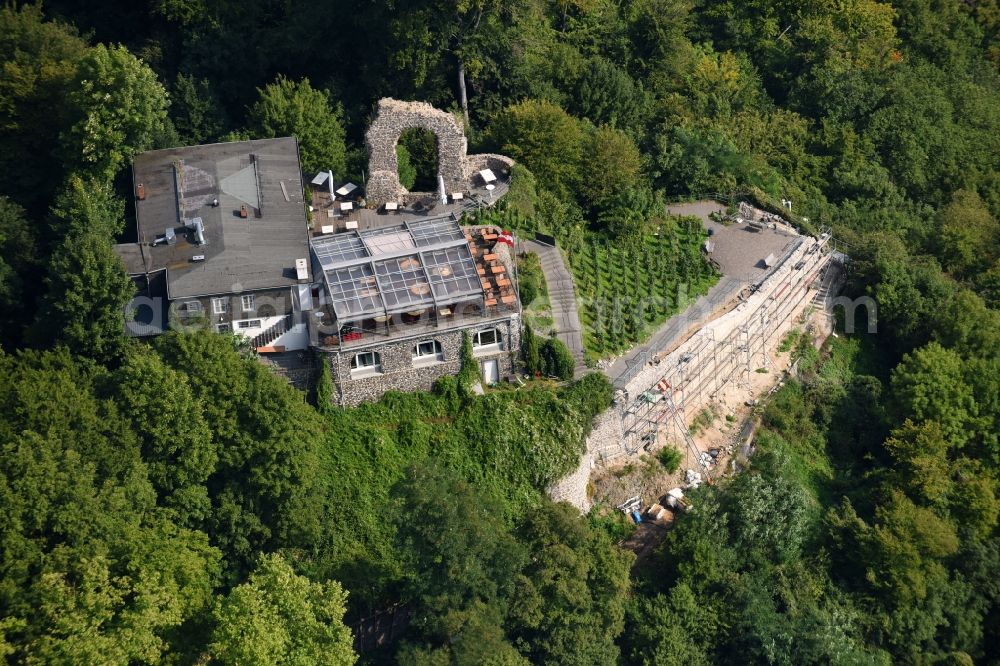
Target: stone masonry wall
572, 488
395, 116
398, 371
499, 164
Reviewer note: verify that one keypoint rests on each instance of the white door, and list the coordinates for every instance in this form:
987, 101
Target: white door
491, 372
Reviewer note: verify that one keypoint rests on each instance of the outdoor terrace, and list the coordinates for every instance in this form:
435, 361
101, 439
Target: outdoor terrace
331, 216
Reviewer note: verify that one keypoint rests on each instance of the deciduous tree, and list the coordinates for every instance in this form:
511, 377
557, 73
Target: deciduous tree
117, 108
287, 108
546, 139
86, 294
278, 617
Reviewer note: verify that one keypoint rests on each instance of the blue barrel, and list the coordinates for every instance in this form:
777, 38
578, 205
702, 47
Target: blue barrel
636, 517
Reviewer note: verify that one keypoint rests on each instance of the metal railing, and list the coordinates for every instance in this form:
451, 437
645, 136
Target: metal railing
354, 337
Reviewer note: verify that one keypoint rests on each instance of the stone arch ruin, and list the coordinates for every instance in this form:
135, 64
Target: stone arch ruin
454, 165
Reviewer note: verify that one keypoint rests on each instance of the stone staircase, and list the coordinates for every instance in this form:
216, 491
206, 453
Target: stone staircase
275, 331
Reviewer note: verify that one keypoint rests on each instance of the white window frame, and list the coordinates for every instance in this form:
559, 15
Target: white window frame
220, 305
425, 356
224, 328
369, 369
479, 347
248, 323
247, 301
186, 307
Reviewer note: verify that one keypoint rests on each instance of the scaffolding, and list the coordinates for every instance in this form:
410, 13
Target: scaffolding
709, 365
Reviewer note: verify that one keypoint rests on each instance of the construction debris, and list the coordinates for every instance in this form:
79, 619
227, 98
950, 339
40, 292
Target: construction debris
693, 478
677, 501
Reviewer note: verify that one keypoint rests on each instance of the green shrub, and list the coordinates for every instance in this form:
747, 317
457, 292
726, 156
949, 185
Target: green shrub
591, 395
670, 457
557, 359
324, 387
469, 374
527, 291
407, 172
530, 278
615, 524
530, 352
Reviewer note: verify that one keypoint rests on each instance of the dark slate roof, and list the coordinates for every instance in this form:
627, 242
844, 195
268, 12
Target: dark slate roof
240, 254
133, 256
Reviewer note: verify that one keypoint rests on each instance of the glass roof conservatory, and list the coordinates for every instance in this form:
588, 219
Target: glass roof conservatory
403, 268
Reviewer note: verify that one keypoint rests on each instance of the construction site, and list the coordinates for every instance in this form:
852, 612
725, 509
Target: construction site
696, 389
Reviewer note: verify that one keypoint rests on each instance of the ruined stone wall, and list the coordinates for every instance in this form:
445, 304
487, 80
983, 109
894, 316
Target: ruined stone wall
399, 372
499, 164
395, 116
572, 488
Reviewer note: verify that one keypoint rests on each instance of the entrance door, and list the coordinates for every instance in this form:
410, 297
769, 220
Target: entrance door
491, 372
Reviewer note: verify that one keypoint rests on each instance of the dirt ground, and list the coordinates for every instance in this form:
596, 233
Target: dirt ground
724, 426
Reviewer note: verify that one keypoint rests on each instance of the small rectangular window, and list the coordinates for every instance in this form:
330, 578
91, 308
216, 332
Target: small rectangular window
191, 307
224, 328
249, 323
220, 305
247, 300
366, 363
427, 352
486, 338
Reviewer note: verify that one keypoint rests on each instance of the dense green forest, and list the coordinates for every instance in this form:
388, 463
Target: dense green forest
176, 503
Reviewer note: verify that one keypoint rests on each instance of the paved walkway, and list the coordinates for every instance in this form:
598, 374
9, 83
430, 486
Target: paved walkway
562, 298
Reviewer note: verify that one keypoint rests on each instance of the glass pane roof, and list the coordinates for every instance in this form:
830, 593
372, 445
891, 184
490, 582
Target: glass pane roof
397, 269
387, 241
337, 249
354, 290
452, 272
434, 232
403, 283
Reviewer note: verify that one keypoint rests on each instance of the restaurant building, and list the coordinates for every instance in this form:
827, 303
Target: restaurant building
398, 299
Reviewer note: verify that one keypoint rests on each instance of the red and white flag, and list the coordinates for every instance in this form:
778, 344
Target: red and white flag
506, 237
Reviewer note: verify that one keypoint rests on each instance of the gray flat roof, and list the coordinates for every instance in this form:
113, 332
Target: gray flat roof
132, 255
240, 253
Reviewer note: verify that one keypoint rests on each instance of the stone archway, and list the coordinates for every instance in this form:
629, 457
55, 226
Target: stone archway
395, 116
